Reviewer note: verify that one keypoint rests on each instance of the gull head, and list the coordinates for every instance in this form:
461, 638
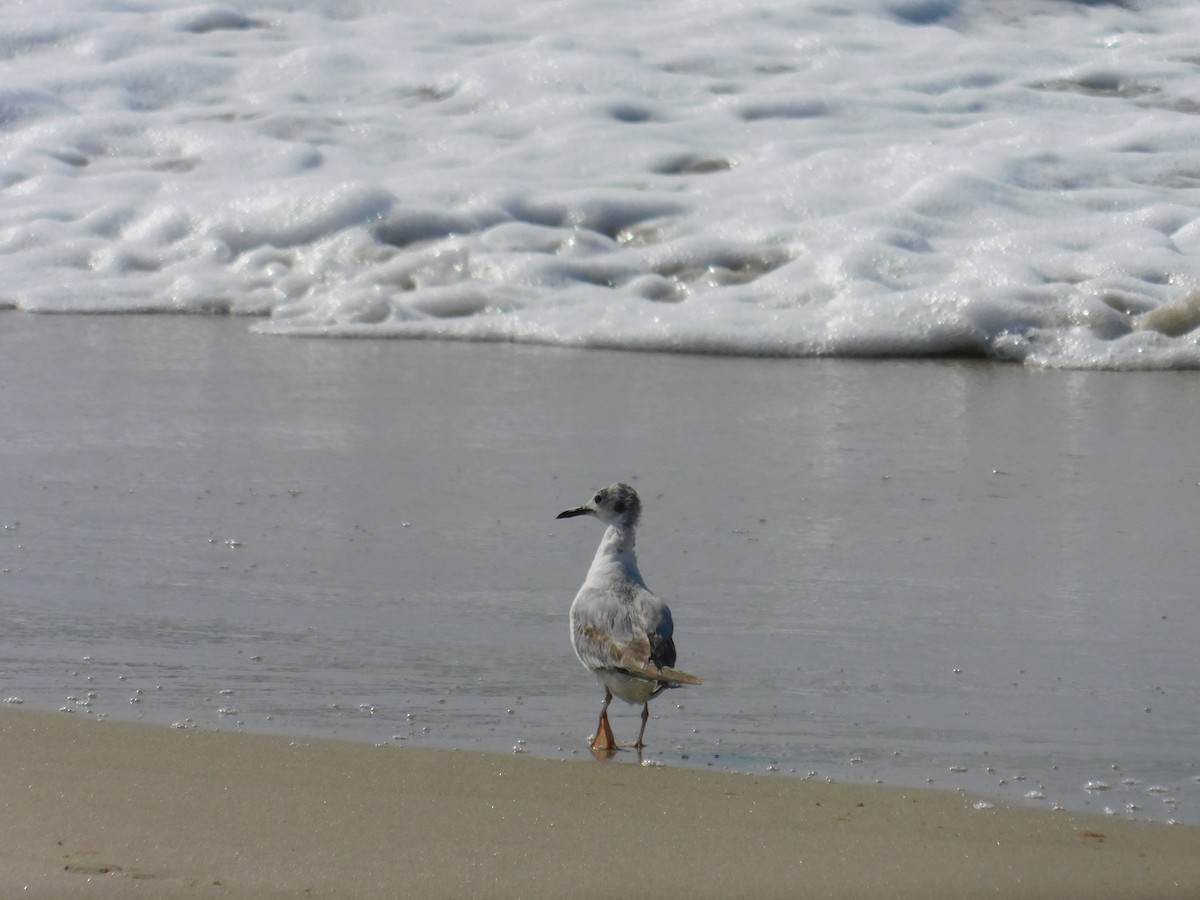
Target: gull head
618, 504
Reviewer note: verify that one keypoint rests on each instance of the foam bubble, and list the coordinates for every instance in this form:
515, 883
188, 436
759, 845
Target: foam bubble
890, 178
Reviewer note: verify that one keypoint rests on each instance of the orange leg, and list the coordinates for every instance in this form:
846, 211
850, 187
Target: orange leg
604, 739
645, 717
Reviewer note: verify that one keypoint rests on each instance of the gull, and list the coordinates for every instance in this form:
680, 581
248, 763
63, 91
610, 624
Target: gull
621, 631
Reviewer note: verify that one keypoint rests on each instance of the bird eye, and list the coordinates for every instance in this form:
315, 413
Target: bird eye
597, 499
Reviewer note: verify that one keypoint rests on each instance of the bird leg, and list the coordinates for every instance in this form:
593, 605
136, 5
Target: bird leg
645, 717
604, 739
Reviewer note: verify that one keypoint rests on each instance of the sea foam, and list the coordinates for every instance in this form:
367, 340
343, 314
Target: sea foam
1014, 181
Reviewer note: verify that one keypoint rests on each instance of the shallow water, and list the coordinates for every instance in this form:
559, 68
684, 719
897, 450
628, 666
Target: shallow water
950, 573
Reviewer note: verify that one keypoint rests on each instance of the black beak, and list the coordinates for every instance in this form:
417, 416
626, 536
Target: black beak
572, 513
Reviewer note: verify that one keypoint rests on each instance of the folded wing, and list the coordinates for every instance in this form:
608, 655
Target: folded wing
628, 629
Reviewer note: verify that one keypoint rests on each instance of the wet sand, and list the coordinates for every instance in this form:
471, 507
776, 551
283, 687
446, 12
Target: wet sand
118, 809
913, 572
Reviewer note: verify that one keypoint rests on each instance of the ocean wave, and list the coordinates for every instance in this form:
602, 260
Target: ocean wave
884, 179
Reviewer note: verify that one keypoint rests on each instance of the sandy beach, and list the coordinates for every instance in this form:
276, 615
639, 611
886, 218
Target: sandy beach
950, 573
894, 573
118, 809
316, 315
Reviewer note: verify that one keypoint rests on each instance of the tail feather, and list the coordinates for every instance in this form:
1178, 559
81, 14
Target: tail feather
677, 676
650, 671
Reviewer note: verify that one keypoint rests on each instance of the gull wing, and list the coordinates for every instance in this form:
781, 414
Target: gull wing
605, 652
631, 634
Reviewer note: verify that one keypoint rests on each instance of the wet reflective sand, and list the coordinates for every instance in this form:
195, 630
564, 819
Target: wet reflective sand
969, 575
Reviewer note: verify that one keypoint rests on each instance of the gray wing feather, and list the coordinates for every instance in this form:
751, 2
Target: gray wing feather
630, 632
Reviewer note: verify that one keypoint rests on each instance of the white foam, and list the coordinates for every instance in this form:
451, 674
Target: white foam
905, 177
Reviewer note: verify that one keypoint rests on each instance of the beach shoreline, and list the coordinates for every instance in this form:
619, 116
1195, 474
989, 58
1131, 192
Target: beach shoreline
116, 809
886, 576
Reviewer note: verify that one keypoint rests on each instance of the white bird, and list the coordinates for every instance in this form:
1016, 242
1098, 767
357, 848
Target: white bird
621, 631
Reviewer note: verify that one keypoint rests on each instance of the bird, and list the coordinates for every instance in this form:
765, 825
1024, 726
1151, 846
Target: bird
621, 631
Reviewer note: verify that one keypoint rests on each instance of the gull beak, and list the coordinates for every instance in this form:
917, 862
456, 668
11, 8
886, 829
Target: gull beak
577, 511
